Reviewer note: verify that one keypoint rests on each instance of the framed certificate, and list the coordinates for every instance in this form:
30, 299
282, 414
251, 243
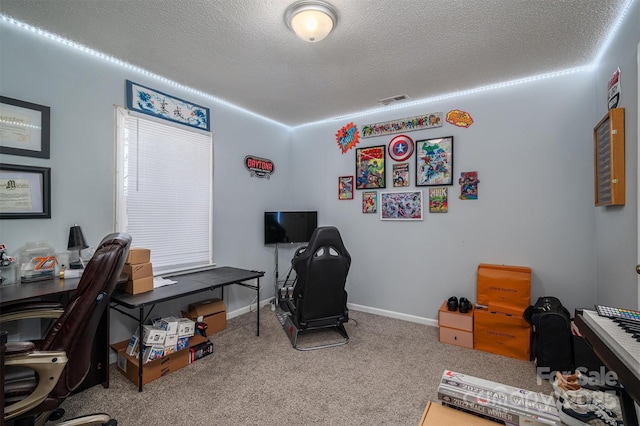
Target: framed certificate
24, 128
25, 192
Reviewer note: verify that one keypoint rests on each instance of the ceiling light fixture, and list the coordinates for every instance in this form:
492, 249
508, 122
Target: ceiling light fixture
311, 20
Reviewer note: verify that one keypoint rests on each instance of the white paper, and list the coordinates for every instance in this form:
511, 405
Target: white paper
161, 282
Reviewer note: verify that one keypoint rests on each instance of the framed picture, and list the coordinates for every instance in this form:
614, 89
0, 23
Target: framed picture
434, 162
25, 192
370, 167
401, 205
345, 188
438, 200
24, 128
401, 174
370, 202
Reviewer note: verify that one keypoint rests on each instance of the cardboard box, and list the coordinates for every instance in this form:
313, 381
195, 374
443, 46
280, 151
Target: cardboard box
134, 346
502, 334
141, 285
186, 327
151, 335
455, 327
139, 270
170, 324
138, 255
504, 285
507, 404
200, 351
213, 313
171, 340
438, 415
152, 353
455, 319
183, 342
153, 370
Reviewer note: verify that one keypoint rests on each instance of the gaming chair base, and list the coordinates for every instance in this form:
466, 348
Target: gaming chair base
292, 332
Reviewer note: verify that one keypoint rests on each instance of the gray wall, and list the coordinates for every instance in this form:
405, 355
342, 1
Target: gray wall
531, 143
532, 147
617, 227
82, 91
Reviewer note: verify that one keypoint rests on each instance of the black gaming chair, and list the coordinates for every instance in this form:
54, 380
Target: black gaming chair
58, 364
319, 298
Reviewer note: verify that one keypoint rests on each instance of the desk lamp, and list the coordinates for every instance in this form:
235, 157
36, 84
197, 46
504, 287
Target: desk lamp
76, 242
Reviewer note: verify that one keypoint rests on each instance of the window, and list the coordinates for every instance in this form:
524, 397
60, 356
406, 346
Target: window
164, 191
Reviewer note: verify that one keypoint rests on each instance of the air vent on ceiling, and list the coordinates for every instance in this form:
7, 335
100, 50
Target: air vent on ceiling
393, 99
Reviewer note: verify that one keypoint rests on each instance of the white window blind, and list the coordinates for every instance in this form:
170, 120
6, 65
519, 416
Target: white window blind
165, 176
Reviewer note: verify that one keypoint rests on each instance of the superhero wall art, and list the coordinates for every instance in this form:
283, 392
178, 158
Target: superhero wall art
370, 167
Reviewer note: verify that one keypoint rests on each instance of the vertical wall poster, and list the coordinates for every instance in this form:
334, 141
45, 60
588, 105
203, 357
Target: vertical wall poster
434, 162
438, 200
469, 185
370, 167
401, 174
345, 188
369, 201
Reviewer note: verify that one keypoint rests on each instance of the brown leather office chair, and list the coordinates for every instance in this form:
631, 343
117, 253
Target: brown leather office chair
60, 362
319, 297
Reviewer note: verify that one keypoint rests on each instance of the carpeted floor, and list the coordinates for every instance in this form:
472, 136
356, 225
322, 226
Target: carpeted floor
384, 376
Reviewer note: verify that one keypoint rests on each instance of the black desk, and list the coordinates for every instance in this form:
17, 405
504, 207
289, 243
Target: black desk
188, 283
59, 290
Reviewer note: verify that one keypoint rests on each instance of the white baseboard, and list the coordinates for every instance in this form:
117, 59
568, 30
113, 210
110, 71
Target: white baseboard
392, 314
248, 309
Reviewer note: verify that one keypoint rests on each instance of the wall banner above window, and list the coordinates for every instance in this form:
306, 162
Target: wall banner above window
158, 104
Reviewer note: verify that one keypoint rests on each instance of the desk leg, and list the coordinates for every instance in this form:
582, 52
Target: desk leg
258, 307
140, 354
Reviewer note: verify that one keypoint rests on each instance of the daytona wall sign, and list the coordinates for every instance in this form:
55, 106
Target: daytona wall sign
257, 166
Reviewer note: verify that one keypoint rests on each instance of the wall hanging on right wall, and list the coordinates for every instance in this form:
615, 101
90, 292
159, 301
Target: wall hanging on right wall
608, 153
468, 185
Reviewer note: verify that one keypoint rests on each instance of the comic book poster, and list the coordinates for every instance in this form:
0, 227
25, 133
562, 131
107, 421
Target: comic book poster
434, 162
469, 185
401, 205
438, 200
401, 174
370, 202
345, 188
370, 167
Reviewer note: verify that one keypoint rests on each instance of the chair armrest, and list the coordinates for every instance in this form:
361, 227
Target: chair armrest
48, 365
31, 310
16, 348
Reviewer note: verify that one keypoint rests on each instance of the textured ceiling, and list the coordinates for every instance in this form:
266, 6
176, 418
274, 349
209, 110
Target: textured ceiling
241, 51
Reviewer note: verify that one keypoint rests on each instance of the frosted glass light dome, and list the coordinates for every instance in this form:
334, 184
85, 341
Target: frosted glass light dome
311, 20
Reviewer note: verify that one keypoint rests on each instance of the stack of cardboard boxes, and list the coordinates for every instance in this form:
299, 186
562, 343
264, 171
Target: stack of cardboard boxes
212, 312
166, 348
139, 271
166, 336
504, 292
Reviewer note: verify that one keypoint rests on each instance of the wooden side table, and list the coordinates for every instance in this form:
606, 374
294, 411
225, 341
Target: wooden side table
455, 328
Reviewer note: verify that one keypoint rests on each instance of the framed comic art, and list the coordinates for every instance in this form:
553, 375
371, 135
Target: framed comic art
370, 167
401, 174
370, 202
434, 162
25, 192
401, 205
24, 128
345, 188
